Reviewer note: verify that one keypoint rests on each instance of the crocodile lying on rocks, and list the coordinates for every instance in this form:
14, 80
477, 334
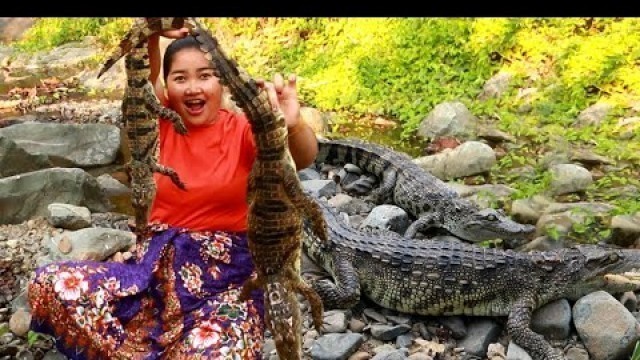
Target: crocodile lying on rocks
429, 199
454, 278
277, 205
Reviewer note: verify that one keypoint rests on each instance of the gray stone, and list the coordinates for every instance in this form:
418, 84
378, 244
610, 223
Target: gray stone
447, 119
15, 160
336, 346
69, 145
553, 320
27, 195
607, 328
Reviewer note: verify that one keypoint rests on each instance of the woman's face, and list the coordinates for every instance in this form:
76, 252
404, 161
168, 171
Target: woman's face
193, 90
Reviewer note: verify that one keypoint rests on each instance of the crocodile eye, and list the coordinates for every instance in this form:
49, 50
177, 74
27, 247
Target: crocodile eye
614, 257
491, 217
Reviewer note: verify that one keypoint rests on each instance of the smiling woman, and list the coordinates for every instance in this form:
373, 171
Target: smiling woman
178, 298
192, 89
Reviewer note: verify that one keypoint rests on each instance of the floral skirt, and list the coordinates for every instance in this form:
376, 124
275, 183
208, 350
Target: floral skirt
178, 299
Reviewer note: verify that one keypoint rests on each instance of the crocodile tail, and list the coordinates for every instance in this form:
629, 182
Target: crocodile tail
140, 32
282, 316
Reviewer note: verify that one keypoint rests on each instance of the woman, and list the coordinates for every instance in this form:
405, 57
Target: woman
179, 298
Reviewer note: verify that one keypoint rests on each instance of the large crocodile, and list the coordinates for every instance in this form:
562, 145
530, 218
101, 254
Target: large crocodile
277, 205
427, 198
454, 278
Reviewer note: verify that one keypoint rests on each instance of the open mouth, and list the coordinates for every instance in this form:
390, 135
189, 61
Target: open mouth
194, 107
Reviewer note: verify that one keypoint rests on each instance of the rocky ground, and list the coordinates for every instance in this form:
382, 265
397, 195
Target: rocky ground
364, 332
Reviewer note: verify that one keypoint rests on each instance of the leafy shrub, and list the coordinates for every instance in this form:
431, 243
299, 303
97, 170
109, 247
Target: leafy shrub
50, 32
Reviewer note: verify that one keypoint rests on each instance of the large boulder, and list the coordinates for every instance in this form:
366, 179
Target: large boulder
28, 195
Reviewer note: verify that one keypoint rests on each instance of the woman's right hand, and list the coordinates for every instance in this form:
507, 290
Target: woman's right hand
175, 33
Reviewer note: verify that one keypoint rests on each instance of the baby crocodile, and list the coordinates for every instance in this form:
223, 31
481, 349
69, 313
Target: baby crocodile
140, 112
277, 205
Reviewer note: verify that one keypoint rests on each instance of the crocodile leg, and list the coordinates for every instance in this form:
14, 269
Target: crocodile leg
315, 301
155, 107
310, 209
345, 293
248, 287
384, 192
143, 190
424, 222
518, 325
167, 171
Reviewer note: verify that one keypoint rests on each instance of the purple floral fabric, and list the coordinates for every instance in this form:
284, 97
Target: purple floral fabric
178, 299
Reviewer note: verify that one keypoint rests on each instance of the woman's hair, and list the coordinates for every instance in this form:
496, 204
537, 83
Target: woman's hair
187, 42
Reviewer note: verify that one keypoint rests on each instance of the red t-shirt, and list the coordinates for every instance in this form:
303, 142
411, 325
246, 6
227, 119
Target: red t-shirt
214, 162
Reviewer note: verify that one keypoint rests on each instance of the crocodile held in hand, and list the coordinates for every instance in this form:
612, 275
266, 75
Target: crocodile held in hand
277, 205
140, 111
424, 196
453, 278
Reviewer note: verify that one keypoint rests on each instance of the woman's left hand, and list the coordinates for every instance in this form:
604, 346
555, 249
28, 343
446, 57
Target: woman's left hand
283, 95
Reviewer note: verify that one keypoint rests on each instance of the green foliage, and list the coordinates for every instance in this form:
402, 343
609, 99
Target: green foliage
50, 32
553, 232
636, 352
403, 67
33, 336
112, 31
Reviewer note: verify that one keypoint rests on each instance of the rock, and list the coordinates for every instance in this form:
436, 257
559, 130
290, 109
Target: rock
593, 115
335, 346
111, 186
470, 158
605, 326
68, 216
12, 28
553, 320
447, 119
64, 245
315, 120
496, 86
68, 145
92, 243
569, 178
15, 160
28, 195
19, 322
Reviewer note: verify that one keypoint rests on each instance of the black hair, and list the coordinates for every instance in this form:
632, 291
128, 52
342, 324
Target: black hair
187, 42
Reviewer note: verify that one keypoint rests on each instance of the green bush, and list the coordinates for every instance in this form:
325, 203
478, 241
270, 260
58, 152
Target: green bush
50, 32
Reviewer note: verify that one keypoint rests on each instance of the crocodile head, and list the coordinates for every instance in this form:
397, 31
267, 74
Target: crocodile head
474, 224
595, 267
